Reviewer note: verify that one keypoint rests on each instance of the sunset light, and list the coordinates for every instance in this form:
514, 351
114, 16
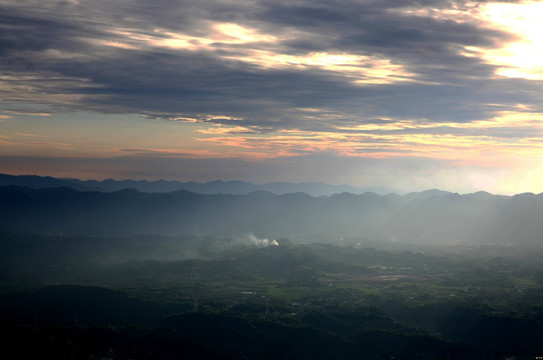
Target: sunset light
371, 89
521, 56
271, 179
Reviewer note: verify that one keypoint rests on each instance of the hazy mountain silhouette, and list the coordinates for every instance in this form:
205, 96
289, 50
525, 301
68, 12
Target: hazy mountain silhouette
426, 217
43, 182
212, 187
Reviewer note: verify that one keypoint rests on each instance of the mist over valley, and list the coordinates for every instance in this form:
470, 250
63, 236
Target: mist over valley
260, 275
431, 217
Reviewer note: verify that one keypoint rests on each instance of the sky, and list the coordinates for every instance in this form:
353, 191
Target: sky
406, 94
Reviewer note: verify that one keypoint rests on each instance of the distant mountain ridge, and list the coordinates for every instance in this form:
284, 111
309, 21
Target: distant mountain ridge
163, 186
429, 217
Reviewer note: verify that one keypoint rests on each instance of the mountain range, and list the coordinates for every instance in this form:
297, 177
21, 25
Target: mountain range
212, 187
429, 217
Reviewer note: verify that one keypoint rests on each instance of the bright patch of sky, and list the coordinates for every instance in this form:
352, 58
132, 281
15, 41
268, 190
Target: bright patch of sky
520, 58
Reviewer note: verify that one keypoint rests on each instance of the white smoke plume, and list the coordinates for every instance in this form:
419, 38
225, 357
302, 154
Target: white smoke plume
251, 239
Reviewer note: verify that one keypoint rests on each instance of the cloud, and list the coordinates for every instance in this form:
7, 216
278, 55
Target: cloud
517, 58
284, 79
367, 58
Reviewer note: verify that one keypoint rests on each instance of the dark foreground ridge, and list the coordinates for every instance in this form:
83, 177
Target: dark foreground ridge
277, 302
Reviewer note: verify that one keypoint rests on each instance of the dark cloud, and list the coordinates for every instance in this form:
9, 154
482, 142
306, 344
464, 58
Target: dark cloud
58, 48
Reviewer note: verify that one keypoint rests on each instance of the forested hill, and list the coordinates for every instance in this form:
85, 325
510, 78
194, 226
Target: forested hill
429, 217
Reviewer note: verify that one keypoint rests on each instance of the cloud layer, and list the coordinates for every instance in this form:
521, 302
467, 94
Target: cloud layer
447, 80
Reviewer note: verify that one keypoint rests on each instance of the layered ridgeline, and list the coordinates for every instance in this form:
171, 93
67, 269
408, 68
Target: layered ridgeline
432, 216
212, 187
